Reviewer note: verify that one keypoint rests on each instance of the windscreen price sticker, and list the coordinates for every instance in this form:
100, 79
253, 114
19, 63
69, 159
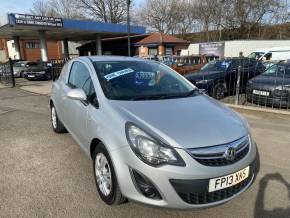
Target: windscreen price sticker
119, 73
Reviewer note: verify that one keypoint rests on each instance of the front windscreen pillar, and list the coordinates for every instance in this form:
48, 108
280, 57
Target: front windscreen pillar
43, 46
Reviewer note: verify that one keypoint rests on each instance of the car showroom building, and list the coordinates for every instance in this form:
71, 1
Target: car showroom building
39, 37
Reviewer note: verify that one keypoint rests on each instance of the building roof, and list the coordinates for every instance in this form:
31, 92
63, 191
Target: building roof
25, 25
120, 39
161, 38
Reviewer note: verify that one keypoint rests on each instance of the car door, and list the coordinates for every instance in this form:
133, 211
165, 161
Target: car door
75, 110
88, 125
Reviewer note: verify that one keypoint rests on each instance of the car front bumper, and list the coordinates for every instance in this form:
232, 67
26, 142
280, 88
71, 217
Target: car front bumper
283, 102
36, 76
179, 186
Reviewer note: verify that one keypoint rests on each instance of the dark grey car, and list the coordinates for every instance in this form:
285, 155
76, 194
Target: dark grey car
272, 88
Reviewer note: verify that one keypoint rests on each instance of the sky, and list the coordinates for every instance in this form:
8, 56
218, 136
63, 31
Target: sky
23, 6
18, 6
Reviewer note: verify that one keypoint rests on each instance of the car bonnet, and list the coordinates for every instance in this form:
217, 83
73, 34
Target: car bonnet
191, 122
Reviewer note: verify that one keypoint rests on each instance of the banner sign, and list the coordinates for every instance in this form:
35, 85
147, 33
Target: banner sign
215, 49
35, 20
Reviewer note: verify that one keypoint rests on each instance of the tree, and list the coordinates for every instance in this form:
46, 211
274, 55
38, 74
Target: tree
108, 11
168, 16
42, 7
66, 9
57, 8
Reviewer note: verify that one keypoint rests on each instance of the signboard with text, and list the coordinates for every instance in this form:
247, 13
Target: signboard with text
214, 49
35, 20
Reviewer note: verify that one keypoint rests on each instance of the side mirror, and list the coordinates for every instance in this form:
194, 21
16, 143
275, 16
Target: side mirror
77, 94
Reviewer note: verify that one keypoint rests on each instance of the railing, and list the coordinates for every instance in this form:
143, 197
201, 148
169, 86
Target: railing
56, 67
188, 60
246, 82
7, 74
240, 81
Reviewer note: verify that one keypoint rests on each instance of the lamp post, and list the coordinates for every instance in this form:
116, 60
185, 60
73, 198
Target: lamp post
128, 27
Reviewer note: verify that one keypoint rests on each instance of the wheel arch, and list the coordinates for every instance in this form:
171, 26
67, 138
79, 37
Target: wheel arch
94, 143
50, 102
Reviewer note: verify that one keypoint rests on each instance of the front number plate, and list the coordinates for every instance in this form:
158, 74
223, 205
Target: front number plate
229, 180
258, 92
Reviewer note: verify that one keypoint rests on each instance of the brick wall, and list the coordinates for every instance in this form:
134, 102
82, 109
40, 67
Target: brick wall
33, 54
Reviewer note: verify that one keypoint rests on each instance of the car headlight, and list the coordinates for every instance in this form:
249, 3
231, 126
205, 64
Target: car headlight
41, 72
284, 87
282, 91
150, 150
204, 81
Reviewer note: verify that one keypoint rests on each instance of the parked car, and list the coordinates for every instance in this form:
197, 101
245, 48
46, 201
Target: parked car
153, 137
271, 88
39, 71
271, 54
197, 63
219, 77
22, 66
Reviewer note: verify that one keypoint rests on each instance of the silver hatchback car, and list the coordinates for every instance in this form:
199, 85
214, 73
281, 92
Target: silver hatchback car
153, 136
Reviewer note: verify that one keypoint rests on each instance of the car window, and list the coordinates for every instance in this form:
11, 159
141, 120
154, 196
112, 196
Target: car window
129, 80
80, 78
217, 65
79, 74
30, 64
256, 55
278, 70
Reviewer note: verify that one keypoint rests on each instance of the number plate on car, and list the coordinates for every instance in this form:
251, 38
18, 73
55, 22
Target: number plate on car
229, 180
258, 92
31, 76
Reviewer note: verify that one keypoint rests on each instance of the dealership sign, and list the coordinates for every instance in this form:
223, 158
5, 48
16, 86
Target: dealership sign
215, 49
35, 20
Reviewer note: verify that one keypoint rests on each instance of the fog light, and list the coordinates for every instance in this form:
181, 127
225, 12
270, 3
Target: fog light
145, 186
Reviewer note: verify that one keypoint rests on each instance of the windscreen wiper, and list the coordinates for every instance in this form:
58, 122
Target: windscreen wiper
164, 96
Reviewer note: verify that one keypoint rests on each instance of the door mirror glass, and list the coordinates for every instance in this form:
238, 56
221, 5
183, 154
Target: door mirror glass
77, 94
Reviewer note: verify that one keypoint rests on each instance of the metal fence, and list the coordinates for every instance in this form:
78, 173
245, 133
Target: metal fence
7, 74
245, 81
56, 67
240, 81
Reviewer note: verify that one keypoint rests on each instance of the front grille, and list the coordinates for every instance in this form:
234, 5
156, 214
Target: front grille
215, 156
211, 197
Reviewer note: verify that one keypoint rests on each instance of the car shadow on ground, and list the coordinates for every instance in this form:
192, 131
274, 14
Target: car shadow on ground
260, 210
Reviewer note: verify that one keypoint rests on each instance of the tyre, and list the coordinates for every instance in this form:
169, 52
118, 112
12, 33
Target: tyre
56, 124
105, 177
219, 91
48, 76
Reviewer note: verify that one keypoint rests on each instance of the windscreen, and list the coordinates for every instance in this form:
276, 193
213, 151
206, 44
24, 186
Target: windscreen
256, 55
278, 70
219, 65
136, 80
